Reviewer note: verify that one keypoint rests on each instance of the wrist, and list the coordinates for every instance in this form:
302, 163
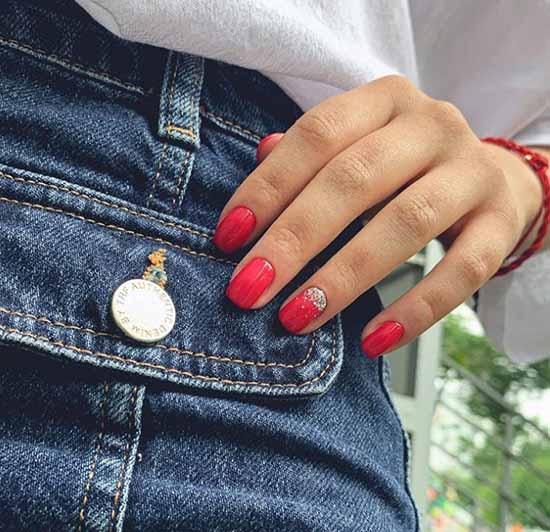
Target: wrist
526, 187
546, 243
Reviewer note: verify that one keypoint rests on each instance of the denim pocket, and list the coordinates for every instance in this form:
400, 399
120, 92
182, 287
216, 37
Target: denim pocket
77, 103
65, 250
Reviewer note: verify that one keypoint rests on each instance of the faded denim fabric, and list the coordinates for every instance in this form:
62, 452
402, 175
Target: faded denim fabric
110, 150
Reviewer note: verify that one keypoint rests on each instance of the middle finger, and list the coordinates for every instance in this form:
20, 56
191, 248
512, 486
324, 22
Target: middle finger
366, 173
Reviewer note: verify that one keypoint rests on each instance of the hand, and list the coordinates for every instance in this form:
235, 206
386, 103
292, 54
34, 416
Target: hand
384, 144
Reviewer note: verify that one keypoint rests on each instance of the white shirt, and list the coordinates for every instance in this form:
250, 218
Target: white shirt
490, 58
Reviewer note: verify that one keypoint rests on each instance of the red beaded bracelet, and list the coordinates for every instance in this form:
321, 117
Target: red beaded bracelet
539, 164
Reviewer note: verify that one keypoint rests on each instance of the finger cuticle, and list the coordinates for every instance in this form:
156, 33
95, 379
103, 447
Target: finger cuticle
384, 337
234, 229
302, 309
265, 144
250, 283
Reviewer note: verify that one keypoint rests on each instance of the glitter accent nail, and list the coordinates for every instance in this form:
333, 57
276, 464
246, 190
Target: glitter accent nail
303, 309
317, 297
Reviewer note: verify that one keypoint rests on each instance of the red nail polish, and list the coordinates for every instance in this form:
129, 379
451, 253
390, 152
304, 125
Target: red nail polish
233, 231
264, 144
303, 309
250, 283
382, 338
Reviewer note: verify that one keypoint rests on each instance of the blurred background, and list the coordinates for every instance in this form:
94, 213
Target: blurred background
478, 424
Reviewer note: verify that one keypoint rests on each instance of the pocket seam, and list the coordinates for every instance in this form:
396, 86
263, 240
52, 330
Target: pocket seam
172, 349
185, 249
70, 65
266, 382
164, 369
105, 203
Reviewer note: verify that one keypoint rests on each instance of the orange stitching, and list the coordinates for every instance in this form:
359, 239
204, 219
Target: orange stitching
91, 474
180, 178
154, 186
229, 123
185, 249
177, 350
121, 229
165, 369
105, 203
183, 131
247, 362
71, 65
171, 126
4, 310
161, 159
172, 85
116, 498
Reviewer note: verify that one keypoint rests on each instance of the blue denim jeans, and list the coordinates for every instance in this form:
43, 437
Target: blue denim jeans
110, 150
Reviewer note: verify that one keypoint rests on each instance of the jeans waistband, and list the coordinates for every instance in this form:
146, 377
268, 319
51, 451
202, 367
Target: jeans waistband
60, 31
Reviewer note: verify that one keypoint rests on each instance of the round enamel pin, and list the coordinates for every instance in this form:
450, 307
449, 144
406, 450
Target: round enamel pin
141, 308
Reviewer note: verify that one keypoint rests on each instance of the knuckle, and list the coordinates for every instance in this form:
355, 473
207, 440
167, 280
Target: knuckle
447, 111
287, 240
399, 84
353, 174
489, 172
319, 128
416, 216
478, 267
269, 188
428, 310
349, 274
449, 115
403, 91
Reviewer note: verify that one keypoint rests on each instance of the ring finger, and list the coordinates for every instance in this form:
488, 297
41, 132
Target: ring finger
420, 213
361, 176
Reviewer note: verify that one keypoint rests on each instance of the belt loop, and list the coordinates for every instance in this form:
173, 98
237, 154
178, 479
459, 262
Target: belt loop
180, 99
178, 128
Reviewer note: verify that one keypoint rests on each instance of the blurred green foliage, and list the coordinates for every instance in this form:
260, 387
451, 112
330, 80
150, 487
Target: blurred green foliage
477, 355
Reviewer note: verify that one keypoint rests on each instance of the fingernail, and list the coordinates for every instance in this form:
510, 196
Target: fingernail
382, 338
264, 144
303, 309
235, 228
250, 283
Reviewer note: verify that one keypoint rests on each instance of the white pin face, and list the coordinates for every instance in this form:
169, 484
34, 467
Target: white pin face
143, 310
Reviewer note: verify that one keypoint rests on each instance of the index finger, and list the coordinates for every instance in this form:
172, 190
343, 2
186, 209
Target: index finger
316, 138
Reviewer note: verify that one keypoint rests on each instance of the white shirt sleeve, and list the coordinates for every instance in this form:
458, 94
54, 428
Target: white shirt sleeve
515, 308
